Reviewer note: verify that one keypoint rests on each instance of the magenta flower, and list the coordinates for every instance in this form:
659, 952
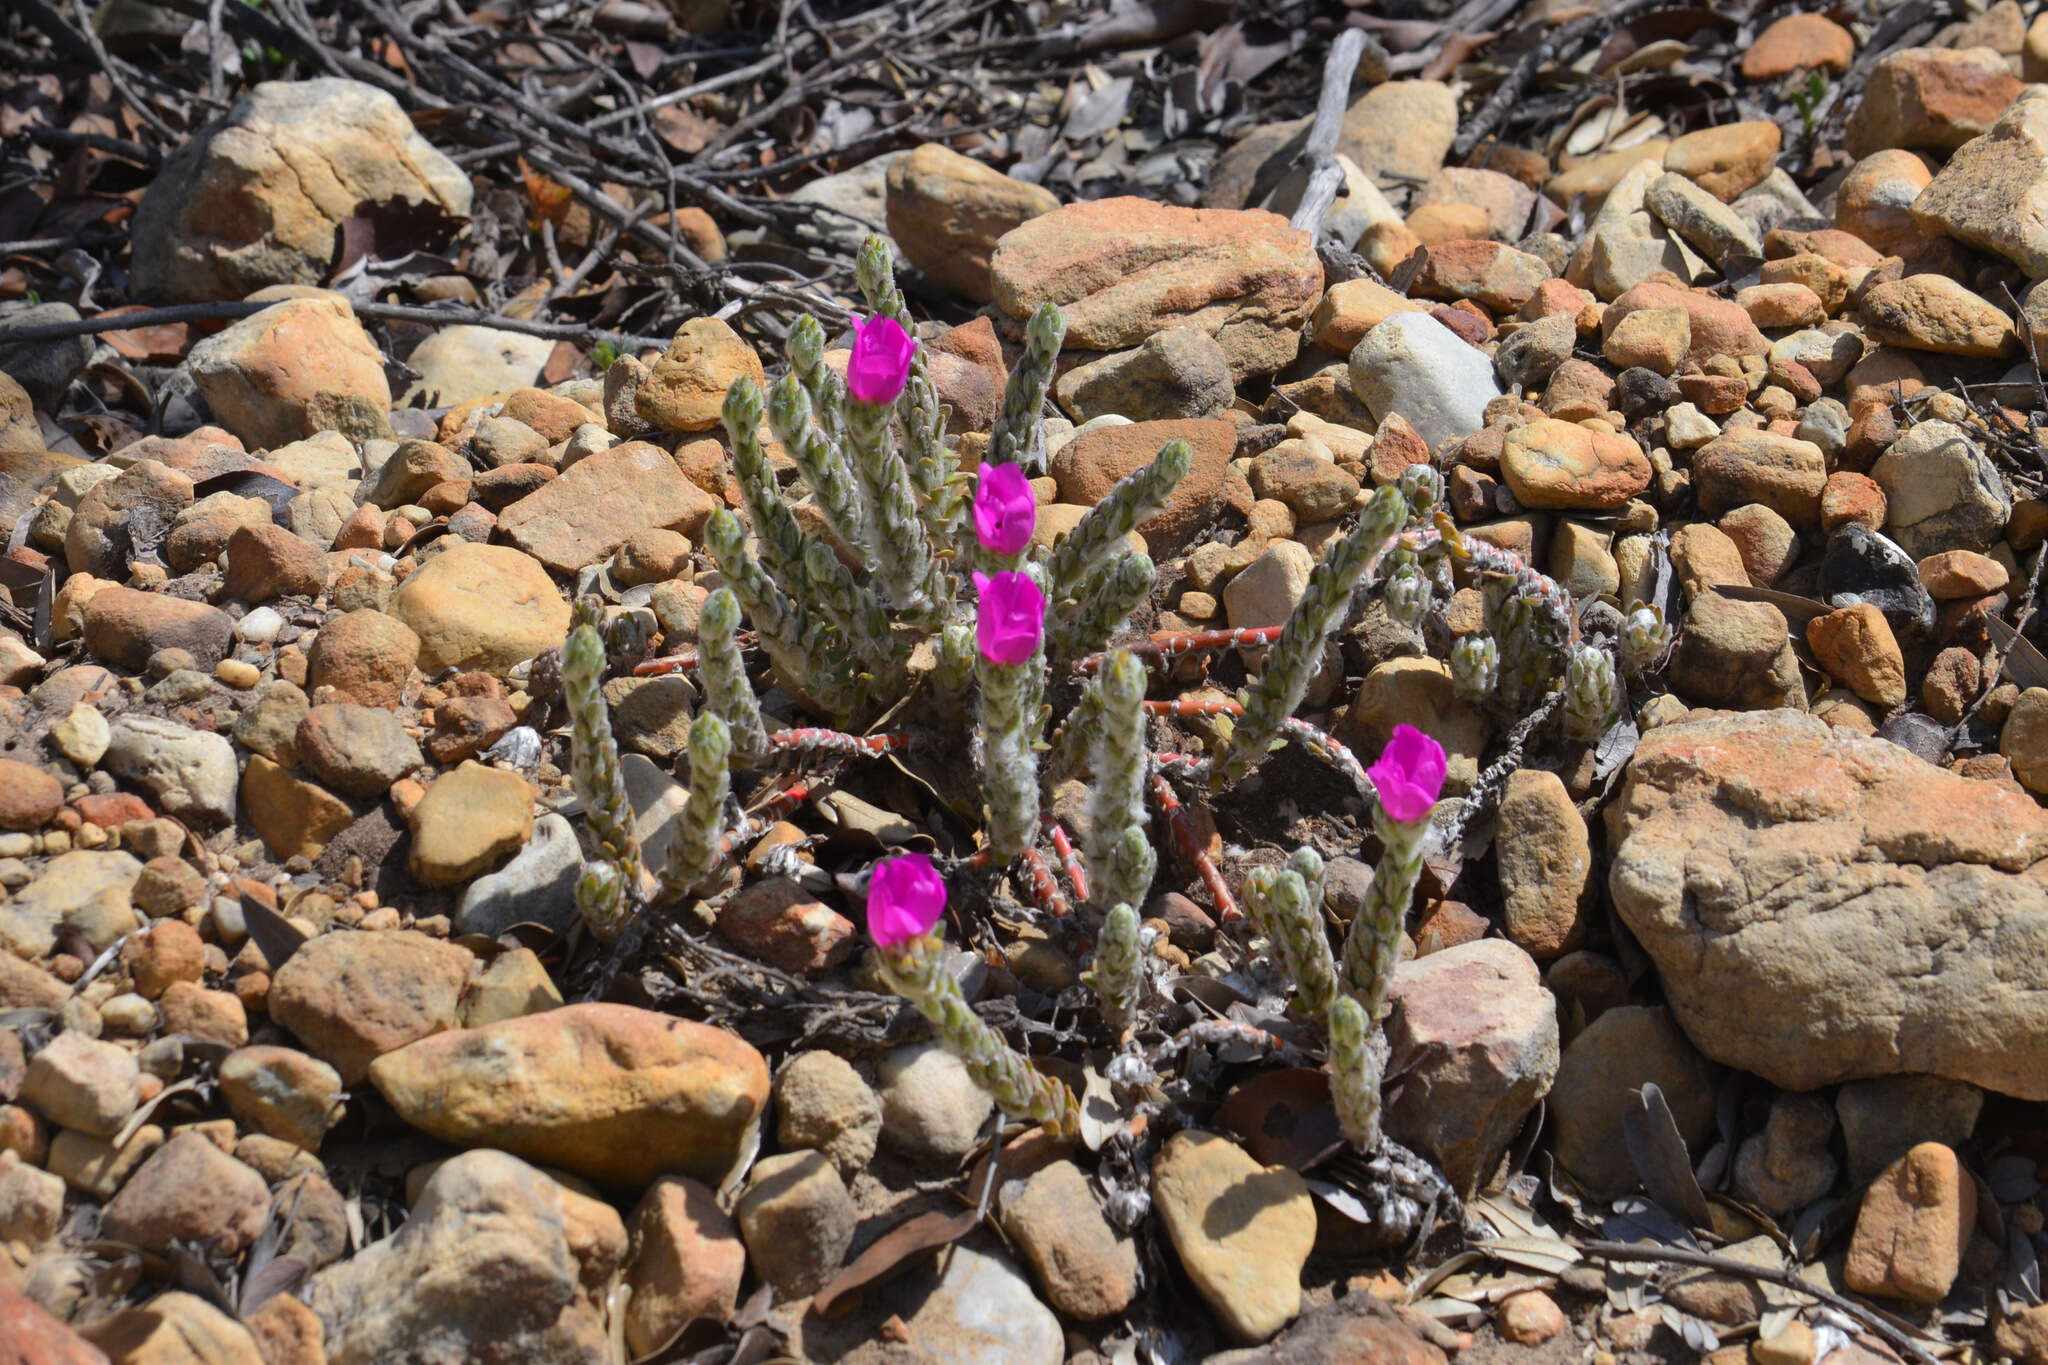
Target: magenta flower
906, 896
1011, 620
1409, 774
881, 360
1004, 510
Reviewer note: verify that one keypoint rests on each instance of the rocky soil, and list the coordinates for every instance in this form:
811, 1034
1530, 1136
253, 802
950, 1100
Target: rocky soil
304, 1053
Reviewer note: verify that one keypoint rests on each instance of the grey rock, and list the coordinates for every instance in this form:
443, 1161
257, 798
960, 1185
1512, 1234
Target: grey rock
484, 1269
821, 1102
797, 1221
191, 773
931, 1108
1941, 492
1414, 365
982, 1312
1474, 1037
44, 369
1787, 1166
1178, 372
1884, 1119
537, 886
1534, 352
88, 889
1716, 230
1597, 1077
854, 204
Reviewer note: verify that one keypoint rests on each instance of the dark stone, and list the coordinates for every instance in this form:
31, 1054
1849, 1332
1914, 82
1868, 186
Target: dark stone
1641, 393
1862, 566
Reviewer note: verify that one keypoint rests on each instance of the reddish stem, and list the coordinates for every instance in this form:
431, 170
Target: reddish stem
1044, 889
1065, 848
1177, 819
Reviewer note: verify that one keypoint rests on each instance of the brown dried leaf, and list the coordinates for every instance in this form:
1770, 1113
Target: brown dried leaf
893, 1248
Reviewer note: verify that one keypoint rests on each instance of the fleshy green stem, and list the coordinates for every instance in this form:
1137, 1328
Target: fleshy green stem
1117, 974
1116, 799
916, 970
1373, 947
1018, 436
724, 676
1299, 651
1354, 1072
695, 849
595, 771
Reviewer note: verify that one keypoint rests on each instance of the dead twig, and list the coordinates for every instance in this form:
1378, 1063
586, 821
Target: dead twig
1787, 1279
229, 310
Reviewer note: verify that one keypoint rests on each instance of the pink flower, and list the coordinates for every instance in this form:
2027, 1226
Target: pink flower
1409, 774
1011, 620
1004, 510
905, 899
881, 360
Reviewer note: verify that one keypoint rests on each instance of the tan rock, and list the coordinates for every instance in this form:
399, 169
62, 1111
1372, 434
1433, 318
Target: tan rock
687, 1262
1876, 198
1087, 467
1400, 129
1351, 309
618, 1094
175, 1329
1556, 464
468, 822
1782, 473
946, 211
1727, 160
258, 196
1242, 1231
1993, 193
481, 607
1546, 865
351, 997
1491, 274
601, 502
1768, 865
1856, 646
1798, 42
295, 818
1934, 313
685, 390
1124, 268
301, 366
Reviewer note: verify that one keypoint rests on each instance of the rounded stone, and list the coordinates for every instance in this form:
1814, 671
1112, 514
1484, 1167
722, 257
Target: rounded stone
484, 607
1553, 463
931, 1108
797, 1221
821, 1102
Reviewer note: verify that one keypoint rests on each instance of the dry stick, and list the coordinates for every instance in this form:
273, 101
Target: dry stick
1321, 152
227, 310
1565, 37
1787, 1279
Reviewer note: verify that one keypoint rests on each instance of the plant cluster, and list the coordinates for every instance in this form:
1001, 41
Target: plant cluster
945, 591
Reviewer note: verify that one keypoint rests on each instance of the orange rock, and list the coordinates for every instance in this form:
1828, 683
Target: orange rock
1124, 268
1856, 646
1089, 466
1796, 42
1727, 160
1930, 98
1916, 1220
618, 1094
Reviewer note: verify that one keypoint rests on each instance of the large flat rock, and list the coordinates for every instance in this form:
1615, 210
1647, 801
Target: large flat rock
1823, 906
